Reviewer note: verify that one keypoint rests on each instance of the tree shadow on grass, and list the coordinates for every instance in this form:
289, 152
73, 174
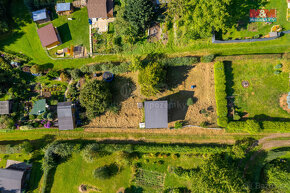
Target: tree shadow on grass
239, 11
177, 104
176, 75
64, 33
122, 89
35, 176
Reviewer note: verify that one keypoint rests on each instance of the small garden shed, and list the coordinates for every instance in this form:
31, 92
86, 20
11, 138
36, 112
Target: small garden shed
156, 114
5, 107
11, 180
66, 116
63, 8
40, 16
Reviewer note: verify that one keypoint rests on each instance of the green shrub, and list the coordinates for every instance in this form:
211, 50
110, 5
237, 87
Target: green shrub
277, 72
26, 147
26, 127
207, 58
189, 102
106, 171
6, 122
95, 97
252, 126
236, 126
85, 69
256, 36
136, 64
277, 126
178, 125
95, 67
122, 68
107, 67
52, 74
182, 61
204, 124
278, 66
76, 74
151, 79
220, 94
31, 117
89, 153
236, 117
50, 116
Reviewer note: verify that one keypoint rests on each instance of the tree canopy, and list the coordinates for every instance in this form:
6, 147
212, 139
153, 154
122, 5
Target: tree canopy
197, 18
95, 97
218, 174
138, 14
151, 78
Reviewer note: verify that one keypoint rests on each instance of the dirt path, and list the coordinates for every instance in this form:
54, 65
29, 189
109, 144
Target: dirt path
267, 143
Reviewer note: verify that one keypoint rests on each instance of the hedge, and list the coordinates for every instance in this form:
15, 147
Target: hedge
220, 94
278, 126
252, 126
207, 58
181, 61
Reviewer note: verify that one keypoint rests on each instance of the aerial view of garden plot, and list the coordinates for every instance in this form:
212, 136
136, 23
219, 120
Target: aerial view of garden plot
144, 96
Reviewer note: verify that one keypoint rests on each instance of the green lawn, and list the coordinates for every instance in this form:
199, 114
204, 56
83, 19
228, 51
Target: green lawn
67, 178
75, 32
262, 28
261, 98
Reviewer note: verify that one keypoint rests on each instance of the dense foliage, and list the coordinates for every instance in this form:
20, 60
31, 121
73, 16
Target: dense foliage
138, 14
220, 94
4, 28
198, 18
95, 97
220, 174
277, 175
152, 78
14, 84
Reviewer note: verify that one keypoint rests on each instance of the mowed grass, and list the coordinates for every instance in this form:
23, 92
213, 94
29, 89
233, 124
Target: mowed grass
262, 28
71, 174
73, 32
261, 98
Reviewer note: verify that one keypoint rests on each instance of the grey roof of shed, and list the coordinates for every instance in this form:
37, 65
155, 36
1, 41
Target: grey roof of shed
4, 107
65, 114
63, 7
39, 15
10, 180
156, 114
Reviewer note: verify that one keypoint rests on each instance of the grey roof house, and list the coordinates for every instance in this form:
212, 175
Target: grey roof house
156, 114
11, 181
66, 116
5, 107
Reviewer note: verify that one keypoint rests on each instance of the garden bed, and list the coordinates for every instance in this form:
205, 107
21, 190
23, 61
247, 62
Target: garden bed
178, 90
